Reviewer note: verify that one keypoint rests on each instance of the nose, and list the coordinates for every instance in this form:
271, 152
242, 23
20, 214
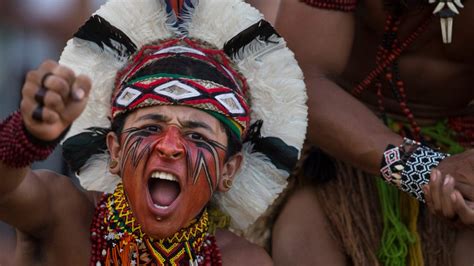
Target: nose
171, 146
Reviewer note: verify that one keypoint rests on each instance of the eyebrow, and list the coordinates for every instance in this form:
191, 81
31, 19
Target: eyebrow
190, 124
196, 124
154, 117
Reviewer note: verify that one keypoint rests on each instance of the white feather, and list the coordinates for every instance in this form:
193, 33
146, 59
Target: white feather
85, 58
276, 86
278, 95
257, 177
95, 174
143, 21
217, 21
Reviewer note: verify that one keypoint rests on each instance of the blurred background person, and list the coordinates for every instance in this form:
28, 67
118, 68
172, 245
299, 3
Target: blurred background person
30, 32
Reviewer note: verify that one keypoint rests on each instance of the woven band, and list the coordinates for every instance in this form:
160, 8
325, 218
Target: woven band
409, 165
18, 148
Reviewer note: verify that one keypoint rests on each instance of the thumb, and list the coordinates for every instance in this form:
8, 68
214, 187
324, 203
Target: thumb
78, 98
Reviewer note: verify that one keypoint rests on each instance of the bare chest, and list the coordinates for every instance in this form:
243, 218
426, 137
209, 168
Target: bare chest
435, 74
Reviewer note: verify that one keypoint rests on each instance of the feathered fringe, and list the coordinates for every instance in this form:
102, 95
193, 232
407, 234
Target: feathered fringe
84, 57
95, 174
186, 16
259, 39
277, 86
217, 21
171, 18
143, 21
257, 177
277, 89
99, 31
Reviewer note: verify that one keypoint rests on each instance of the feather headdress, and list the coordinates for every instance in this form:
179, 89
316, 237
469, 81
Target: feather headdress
276, 91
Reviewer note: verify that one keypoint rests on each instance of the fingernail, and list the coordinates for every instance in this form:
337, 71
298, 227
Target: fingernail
435, 175
78, 94
446, 180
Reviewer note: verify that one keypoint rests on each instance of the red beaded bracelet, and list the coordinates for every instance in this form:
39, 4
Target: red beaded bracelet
18, 148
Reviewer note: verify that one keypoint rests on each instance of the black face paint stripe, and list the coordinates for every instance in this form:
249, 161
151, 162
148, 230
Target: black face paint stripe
202, 165
212, 149
135, 136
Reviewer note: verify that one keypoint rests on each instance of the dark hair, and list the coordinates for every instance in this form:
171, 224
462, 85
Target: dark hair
234, 144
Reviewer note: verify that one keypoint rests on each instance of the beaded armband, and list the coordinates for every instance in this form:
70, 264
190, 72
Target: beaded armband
18, 148
340, 5
409, 165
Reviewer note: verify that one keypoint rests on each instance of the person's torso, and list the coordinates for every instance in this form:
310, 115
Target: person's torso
438, 77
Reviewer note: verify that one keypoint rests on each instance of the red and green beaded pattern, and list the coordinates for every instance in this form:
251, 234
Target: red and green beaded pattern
117, 239
215, 58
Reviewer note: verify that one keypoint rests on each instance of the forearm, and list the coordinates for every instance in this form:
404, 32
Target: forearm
343, 127
20, 189
10, 180
18, 150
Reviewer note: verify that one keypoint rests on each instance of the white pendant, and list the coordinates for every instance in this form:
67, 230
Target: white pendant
447, 9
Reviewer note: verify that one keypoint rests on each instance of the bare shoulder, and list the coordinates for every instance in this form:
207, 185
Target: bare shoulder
63, 185
67, 194
236, 250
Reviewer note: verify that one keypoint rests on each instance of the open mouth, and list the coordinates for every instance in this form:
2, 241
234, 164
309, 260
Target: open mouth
164, 189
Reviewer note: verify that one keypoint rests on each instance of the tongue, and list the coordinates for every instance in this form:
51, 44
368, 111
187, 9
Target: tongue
163, 192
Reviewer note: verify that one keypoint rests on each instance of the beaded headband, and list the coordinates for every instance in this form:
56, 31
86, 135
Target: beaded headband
159, 74
260, 89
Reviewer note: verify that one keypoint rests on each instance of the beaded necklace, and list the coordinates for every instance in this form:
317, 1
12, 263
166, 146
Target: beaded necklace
388, 53
117, 239
386, 69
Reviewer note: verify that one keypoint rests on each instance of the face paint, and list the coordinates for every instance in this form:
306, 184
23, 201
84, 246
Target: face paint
171, 162
203, 159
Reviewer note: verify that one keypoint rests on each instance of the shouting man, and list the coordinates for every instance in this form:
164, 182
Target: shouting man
162, 122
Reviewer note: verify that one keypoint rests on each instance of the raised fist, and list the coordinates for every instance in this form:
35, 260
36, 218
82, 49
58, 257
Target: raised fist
53, 97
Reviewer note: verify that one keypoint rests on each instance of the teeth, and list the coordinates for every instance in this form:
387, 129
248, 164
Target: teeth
160, 207
163, 175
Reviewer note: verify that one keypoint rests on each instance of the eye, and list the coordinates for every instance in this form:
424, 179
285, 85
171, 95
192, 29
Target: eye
195, 136
153, 128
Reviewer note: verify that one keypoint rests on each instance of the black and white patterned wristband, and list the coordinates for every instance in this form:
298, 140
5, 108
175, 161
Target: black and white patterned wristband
409, 165
416, 172
394, 160
392, 165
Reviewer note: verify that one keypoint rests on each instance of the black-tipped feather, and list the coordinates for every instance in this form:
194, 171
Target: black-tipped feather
101, 32
282, 155
261, 31
79, 148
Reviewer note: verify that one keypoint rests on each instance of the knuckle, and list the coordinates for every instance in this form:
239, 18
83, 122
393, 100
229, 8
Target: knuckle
31, 75
65, 72
57, 84
48, 64
49, 116
53, 100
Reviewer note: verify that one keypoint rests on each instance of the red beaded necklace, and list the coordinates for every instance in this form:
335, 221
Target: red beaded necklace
386, 68
117, 239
